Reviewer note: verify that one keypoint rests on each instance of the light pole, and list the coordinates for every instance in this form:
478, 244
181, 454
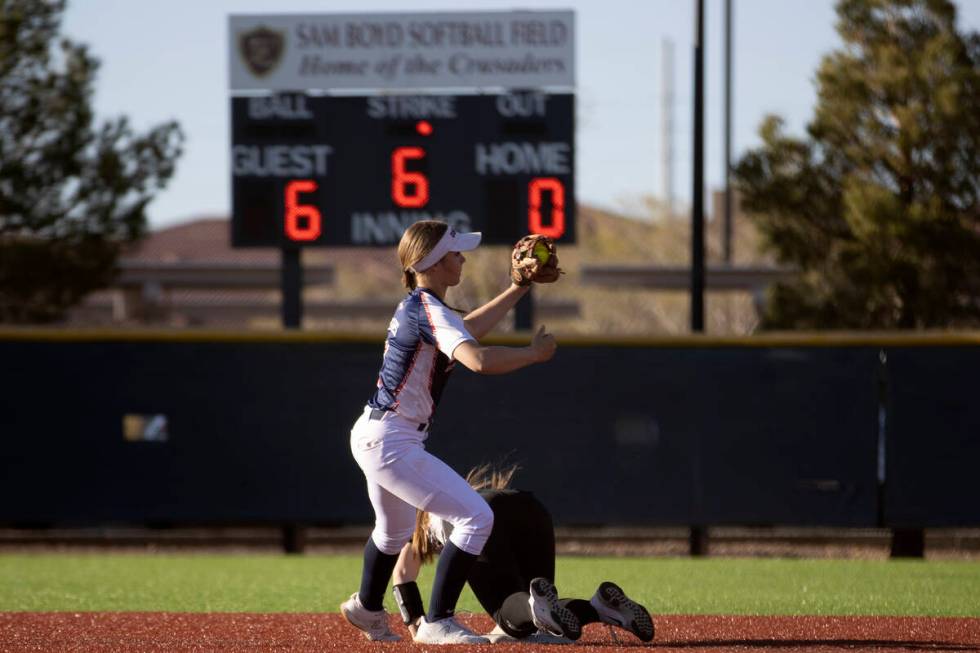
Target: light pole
727, 236
699, 534
697, 195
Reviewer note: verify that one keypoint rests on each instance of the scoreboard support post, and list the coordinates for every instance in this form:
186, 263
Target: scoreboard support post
524, 312
291, 285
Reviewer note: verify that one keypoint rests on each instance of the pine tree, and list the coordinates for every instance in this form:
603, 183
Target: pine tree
878, 207
72, 194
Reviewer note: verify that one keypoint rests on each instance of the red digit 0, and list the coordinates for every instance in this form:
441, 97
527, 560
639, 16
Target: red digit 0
295, 230
402, 179
535, 189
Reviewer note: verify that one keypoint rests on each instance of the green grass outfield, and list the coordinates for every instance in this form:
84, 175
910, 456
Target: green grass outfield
278, 583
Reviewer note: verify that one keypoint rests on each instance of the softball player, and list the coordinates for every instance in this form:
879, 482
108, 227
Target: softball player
514, 576
425, 339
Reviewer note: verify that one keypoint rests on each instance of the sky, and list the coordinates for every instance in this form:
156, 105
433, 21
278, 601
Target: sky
169, 60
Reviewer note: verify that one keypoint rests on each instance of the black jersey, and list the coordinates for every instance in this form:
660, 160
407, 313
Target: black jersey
518, 515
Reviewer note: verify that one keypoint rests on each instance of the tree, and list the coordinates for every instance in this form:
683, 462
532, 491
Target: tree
878, 207
72, 195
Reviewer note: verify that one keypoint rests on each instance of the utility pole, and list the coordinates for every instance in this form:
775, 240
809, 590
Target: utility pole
524, 312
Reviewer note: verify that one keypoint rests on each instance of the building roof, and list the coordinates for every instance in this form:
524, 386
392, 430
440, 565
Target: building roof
202, 239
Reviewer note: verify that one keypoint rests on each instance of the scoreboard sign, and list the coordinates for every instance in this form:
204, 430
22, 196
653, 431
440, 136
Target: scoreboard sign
348, 128
343, 170
385, 51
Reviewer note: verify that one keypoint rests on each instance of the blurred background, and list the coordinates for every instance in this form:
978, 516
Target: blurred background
823, 233
139, 341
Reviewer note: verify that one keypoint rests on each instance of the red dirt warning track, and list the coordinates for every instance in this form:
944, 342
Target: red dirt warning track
53, 632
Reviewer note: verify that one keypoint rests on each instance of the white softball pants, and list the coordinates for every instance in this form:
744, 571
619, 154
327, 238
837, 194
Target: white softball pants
402, 476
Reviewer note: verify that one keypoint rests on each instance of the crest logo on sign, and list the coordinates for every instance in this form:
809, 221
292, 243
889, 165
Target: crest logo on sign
261, 49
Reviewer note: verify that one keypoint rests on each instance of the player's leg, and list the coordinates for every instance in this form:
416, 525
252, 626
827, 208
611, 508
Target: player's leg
394, 521
535, 543
582, 609
426, 482
515, 583
527, 614
503, 593
393, 525
500, 588
536, 559
472, 521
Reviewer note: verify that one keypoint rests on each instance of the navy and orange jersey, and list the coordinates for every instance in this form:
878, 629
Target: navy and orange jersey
418, 356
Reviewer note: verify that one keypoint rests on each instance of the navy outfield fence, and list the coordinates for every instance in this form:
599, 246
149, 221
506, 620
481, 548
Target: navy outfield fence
185, 428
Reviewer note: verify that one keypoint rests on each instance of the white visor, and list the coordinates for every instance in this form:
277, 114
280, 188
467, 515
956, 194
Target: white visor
451, 241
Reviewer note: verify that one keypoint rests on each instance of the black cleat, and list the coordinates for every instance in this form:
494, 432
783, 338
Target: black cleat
548, 614
617, 609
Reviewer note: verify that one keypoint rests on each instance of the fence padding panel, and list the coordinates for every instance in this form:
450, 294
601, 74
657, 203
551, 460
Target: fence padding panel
933, 437
258, 432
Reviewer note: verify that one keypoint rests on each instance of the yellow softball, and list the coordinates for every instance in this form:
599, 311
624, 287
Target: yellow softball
541, 252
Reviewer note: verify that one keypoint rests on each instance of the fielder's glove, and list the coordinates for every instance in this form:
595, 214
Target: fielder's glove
535, 258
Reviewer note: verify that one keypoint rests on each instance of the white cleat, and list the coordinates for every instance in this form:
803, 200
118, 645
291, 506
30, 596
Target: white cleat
374, 623
548, 614
446, 631
617, 609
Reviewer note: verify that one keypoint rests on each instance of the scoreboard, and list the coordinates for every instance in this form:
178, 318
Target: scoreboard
334, 170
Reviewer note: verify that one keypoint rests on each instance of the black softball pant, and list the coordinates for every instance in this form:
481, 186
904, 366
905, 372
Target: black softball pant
521, 547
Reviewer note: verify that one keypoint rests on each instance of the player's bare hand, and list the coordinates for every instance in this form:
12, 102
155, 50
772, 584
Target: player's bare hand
543, 345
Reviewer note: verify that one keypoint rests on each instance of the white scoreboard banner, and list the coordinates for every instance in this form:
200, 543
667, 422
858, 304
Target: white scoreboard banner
291, 52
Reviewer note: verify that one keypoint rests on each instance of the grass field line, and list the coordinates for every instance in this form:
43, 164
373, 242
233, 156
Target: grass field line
280, 583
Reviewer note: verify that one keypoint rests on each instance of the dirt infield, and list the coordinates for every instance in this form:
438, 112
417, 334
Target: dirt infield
54, 632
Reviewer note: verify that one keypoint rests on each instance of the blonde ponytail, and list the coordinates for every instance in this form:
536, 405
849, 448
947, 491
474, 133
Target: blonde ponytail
416, 243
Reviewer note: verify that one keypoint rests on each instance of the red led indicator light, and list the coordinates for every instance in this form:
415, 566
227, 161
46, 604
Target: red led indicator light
423, 127
535, 221
409, 188
303, 222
